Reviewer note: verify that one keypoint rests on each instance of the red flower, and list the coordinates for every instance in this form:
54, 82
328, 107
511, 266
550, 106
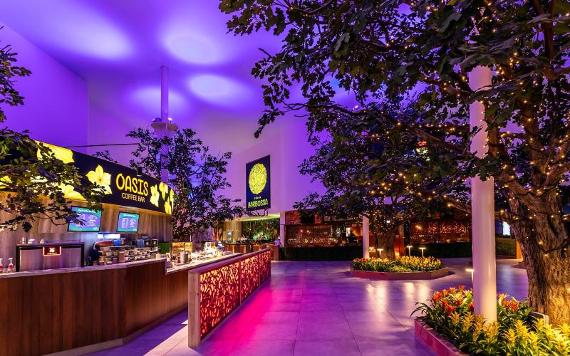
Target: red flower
448, 308
436, 297
511, 305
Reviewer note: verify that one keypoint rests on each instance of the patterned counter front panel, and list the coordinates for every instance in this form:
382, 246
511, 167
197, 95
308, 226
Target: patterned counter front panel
225, 288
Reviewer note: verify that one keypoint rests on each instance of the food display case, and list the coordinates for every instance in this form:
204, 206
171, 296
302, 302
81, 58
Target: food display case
38, 256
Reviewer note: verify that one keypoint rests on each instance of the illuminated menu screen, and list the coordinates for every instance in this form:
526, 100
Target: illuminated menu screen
90, 220
128, 222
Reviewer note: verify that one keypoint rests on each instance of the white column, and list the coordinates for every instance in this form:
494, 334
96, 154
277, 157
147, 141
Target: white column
365, 237
164, 93
282, 228
164, 127
482, 210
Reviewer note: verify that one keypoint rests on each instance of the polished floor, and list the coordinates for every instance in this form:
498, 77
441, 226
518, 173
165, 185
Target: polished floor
318, 309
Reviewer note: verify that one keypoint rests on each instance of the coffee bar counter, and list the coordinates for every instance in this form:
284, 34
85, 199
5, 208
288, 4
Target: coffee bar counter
85, 309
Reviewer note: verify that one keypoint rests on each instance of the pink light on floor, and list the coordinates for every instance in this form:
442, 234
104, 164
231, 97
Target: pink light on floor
217, 290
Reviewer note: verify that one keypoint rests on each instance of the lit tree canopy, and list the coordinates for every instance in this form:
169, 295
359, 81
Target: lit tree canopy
196, 175
355, 159
418, 54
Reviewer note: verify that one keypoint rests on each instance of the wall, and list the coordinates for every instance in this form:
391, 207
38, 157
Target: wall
286, 142
55, 106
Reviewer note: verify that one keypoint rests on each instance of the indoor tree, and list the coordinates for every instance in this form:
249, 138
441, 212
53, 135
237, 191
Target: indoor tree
196, 175
354, 162
35, 180
419, 54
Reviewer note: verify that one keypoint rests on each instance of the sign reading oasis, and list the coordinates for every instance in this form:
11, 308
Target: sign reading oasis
258, 182
122, 185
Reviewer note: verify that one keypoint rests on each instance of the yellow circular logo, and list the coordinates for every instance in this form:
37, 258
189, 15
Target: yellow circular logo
257, 178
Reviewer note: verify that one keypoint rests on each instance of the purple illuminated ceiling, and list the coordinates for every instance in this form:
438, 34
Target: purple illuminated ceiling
118, 47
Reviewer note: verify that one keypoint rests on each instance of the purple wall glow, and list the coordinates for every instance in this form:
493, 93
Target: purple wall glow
286, 142
55, 106
118, 48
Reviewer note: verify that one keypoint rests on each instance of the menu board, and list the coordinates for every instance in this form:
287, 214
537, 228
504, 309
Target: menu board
128, 222
90, 220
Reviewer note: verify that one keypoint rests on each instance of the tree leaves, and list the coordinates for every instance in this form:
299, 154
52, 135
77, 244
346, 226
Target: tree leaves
196, 175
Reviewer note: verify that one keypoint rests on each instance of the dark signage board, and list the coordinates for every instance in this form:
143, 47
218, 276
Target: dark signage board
123, 186
258, 184
128, 222
90, 220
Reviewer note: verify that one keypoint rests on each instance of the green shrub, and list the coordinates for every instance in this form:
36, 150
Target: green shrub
402, 264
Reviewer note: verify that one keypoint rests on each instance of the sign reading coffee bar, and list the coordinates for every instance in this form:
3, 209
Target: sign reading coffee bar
258, 183
122, 185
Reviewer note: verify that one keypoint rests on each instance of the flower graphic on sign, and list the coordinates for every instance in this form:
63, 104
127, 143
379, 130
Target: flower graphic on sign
70, 193
257, 178
101, 178
167, 207
154, 195
63, 154
163, 189
4, 181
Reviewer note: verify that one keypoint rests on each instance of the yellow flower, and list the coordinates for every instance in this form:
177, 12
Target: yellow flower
171, 198
154, 196
4, 181
167, 208
70, 193
38, 180
100, 178
163, 189
63, 154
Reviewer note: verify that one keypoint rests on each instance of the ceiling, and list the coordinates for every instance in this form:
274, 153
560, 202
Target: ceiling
119, 46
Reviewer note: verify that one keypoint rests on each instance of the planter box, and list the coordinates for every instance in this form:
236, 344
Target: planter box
434, 342
438, 273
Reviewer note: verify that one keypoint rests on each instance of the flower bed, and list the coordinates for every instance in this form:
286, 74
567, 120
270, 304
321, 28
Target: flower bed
450, 314
402, 264
404, 268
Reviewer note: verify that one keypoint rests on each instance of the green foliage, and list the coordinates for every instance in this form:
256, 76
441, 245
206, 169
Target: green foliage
450, 313
8, 74
32, 179
265, 229
106, 155
33, 188
505, 246
196, 175
402, 264
407, 64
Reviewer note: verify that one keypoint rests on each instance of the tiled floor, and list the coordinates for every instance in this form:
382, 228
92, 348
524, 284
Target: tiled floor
318, 309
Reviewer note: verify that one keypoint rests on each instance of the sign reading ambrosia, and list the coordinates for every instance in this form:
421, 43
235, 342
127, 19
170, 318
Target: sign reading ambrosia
258, 182
122, 185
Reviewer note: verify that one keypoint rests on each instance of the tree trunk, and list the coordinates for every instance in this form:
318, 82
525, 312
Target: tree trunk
548, 272
386, 242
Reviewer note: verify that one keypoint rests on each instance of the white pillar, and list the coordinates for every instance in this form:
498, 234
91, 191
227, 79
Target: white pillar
482, 210
164, 93
164, 127
282, 228
365, 237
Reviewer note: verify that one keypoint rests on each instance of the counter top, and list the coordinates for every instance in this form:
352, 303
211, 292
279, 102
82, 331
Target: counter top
174, 269
51, 243
199, 263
